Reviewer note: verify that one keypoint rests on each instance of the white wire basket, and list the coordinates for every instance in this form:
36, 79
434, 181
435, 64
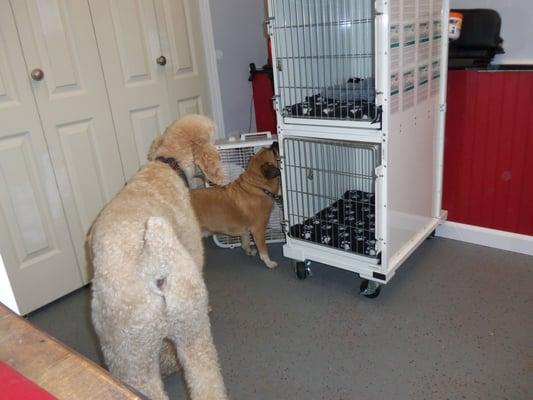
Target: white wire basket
235, 154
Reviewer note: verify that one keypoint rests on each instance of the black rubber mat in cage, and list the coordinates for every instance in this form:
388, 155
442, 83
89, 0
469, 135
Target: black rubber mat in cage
347, 224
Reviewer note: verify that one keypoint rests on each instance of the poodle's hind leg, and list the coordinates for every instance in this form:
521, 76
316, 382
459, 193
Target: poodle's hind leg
199, 359
136, 363
168, 358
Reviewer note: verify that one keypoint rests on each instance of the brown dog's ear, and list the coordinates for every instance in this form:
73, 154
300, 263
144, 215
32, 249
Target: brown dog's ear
275, 148
270, 171
207, 158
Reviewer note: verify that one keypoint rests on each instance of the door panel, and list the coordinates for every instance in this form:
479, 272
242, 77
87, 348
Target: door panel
190, 106
181, 37
34, 235
129, 44
146, 125
57, 36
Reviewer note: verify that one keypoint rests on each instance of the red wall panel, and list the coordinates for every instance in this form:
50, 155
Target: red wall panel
488, 153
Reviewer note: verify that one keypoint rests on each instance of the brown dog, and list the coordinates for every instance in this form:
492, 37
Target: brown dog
243, 206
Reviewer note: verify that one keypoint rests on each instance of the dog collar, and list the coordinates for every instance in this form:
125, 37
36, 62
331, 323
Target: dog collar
275, 197
173, 163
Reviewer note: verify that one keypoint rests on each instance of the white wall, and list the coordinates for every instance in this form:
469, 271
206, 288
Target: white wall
239, 40
517, 27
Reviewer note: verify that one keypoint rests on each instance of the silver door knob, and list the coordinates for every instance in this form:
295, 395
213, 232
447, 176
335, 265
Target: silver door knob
161, 60
37, 74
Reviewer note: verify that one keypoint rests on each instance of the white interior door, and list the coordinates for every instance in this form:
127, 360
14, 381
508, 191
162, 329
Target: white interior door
57, 37
34, 236
182, 43
129, 44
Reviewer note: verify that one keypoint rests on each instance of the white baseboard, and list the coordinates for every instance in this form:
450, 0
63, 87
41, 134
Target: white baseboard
487, 237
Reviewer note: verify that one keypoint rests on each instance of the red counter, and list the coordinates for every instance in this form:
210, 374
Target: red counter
488, 159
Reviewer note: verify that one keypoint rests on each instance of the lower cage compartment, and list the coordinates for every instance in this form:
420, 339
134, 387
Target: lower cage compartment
347, 224
330, 193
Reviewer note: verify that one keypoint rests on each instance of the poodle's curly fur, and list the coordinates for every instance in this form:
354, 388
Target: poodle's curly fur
150, 303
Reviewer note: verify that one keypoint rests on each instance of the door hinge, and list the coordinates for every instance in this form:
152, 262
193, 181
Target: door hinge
269, 25
442, 107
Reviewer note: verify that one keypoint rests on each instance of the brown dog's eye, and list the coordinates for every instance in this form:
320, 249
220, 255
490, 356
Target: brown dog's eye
270, 171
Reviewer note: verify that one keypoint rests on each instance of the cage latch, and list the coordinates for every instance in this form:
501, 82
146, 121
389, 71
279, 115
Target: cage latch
275, 102
378, 117
268, 23
285, 226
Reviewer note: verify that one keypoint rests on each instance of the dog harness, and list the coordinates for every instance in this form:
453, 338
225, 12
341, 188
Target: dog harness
173, 163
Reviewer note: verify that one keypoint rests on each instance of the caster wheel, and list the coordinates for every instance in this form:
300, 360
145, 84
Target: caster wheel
370, 289
302, 269
432, 235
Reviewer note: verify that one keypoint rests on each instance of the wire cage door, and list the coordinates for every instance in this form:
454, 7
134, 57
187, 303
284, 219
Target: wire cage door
330, 193
324, 56
235, 157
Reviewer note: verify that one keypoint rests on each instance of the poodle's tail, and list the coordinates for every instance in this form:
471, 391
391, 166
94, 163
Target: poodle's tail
168, 267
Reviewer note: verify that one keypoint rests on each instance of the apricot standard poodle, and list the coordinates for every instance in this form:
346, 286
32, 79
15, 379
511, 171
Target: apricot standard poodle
150, 303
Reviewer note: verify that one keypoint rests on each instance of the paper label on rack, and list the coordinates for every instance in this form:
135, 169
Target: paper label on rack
437, 39
423, 42
409, 48
435, 77
423, 80
394, 92
394, 36
395, 46
409, 38
408, 100
423, 32
437, 29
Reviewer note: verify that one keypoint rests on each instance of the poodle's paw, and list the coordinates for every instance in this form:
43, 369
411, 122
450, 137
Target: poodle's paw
270, 264
250, 252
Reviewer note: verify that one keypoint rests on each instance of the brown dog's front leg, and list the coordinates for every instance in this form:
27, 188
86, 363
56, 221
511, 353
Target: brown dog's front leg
245, 244
260, 242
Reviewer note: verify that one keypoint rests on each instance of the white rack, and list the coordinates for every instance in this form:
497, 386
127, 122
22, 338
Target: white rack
386, 60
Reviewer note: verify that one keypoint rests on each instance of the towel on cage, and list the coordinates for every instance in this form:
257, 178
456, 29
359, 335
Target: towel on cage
352, 100
317, 106
347, 224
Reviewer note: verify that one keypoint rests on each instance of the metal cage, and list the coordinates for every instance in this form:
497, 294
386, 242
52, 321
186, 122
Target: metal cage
330, 190
235, 156
325, 58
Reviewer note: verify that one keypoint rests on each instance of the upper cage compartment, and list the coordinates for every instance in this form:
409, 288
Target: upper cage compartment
324, 56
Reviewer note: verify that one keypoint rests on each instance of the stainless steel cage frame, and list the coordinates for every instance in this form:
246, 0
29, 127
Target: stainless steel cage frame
330, 187
325, 62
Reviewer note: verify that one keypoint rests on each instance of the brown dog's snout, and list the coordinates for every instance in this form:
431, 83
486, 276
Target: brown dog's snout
270, 171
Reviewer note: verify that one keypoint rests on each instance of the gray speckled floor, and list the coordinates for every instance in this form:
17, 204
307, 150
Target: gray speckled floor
456, 322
